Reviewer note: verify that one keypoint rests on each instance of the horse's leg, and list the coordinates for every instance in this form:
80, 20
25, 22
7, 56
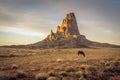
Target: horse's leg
84, 54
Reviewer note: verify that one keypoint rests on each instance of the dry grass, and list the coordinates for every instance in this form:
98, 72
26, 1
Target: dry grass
105, 61
41, 76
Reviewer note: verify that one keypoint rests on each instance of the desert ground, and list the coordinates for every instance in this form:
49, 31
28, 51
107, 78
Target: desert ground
59, 64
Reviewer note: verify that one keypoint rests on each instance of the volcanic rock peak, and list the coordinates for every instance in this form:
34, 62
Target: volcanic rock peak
68, 27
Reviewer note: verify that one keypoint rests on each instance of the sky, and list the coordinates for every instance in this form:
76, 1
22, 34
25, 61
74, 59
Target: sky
30, 21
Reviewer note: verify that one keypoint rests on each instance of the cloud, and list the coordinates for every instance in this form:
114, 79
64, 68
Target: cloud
109, 31
21, 32
32, 20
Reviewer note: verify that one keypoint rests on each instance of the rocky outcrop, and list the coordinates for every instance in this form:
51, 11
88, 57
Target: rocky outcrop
51, 36
67, 29
69, 26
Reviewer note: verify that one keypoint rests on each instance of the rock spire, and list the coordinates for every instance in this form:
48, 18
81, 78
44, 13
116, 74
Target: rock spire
51, 36
67, 29
69, 26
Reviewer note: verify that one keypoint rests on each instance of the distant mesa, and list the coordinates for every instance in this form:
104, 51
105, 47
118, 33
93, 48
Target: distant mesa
67, 36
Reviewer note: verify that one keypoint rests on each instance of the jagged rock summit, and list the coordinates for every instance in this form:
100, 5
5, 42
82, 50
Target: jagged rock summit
67, 36
68, 28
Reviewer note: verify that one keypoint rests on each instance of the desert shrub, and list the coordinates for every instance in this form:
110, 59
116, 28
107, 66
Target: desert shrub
69, 69
14, 66
117, 59
51, 73
59, 60
20, 74
114, 78
60, 77
108, 70
12, 78
63, 73
53, 78
7, 78
102, 64
115, 63
82, 78
112, 70
107, 63
104, 75
83, 67
12, 55
78, 74
41, 76
91, 71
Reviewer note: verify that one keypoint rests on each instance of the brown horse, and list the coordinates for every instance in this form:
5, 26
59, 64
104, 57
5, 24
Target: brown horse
81, 53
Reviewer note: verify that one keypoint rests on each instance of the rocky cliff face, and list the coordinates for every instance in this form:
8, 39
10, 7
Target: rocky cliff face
68, 28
